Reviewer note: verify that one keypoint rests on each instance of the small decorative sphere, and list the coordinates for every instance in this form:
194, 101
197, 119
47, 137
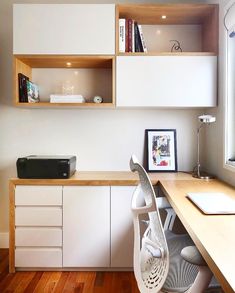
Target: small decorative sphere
97, 99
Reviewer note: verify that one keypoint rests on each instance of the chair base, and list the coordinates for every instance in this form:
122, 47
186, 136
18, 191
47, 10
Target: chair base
202, 280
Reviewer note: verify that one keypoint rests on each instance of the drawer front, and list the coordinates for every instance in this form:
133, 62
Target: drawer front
38, 216
38, 237
38, 195
38, 257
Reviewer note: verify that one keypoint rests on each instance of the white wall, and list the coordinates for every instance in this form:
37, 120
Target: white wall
101, 139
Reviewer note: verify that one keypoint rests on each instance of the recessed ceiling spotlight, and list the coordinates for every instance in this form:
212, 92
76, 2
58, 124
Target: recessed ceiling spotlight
163, 16
68, 63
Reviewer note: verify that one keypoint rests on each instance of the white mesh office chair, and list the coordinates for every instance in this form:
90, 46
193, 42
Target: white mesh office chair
158, 264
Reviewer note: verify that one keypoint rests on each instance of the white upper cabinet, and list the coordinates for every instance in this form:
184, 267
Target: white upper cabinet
64, 29
166, 81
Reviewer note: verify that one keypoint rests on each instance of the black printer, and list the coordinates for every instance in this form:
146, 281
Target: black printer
46, 167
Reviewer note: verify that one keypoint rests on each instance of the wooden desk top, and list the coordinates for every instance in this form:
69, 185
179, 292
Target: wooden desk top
214, 235
97, 178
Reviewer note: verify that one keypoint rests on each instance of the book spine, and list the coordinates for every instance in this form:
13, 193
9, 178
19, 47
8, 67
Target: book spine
126, 36
130, 35
25, 90
133, 36
122, 35
137, 43
142, 38
23, 94
140, 46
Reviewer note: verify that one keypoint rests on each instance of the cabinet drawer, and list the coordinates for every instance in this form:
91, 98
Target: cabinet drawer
38, 257
38, 195
38, 216
38, 236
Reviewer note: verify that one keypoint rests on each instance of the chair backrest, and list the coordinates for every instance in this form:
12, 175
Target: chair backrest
151, 256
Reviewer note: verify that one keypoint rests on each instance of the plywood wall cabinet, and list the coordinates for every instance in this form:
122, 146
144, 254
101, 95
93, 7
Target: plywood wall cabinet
87, 38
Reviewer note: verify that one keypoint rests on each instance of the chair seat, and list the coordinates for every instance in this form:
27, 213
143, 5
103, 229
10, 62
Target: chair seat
191, 254
181, 273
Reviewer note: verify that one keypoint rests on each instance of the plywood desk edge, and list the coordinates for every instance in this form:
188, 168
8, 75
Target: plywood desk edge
214, 268
101, 178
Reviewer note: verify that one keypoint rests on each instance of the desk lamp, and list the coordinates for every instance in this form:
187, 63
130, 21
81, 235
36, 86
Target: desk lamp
204, 119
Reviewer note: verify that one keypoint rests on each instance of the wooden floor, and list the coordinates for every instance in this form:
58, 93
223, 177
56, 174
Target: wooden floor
66, 282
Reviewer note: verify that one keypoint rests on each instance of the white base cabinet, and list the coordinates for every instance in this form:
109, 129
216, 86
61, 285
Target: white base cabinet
86, 229
73, 227
166, 81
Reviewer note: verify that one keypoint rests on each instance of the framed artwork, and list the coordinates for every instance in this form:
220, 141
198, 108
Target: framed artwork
161, 150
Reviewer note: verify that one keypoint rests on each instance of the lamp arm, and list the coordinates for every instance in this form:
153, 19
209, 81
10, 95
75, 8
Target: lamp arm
198, 150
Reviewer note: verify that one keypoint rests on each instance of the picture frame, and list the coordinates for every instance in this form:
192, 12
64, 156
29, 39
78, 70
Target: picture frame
161, 150
33, 92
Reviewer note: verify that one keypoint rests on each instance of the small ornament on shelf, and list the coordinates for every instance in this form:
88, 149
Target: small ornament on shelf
67, 88
176, 46
97, 99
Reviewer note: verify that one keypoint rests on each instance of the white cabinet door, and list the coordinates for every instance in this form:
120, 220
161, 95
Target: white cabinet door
64, 29
166, 81
122, 233
86, 226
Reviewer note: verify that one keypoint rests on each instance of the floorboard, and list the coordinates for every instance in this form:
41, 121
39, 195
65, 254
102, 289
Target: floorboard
64, 282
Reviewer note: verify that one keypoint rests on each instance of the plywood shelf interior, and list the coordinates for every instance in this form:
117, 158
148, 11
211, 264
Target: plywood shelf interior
26, 64
205, 15
168, 54
67, 105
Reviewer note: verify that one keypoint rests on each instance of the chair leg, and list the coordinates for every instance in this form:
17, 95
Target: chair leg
202, 280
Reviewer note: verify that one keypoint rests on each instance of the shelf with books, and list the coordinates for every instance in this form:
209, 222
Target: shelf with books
167, 54
82, 76
166, 27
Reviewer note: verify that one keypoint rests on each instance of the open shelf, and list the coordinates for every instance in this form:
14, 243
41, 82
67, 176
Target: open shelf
55, 105
199, 21
90, 76
168, 54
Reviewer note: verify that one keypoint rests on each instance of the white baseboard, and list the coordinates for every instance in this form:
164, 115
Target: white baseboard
4, 240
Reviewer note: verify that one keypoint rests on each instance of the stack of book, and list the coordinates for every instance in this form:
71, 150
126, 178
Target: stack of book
131, 37
67, 99
28, 91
